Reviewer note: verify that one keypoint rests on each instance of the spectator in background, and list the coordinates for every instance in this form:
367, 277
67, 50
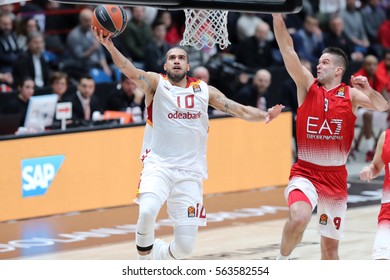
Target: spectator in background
156, 49
8, 9
59, 84
246, 25
34, 9
19, 104
26, 26
202, 73
84, 103
136, 36
373, 15
383, 73
32, 62
327, 9
354, 27
308, 41
365, 117
9, 50
337, 37
150, 14
369, 70
384, 31
127, 97
256, 94
256, 51
84, 50
175, 26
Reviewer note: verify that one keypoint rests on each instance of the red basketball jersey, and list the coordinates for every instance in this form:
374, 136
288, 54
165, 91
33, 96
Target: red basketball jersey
386, 161
325, 125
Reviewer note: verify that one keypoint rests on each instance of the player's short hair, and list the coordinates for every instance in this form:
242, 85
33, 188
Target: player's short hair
176, 47
341, 57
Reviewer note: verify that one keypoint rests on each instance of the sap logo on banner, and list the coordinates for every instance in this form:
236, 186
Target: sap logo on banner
38, 173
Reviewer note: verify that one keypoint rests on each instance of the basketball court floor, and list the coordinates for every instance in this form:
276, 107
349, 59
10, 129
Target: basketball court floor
241, 226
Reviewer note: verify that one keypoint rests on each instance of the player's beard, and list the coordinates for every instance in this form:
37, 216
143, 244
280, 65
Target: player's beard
176, 77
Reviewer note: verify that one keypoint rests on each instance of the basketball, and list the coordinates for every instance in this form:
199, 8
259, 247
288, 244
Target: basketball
112, 19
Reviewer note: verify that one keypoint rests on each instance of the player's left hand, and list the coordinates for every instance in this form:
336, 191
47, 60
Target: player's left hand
366, 174
273, 112
360, 83
105, 40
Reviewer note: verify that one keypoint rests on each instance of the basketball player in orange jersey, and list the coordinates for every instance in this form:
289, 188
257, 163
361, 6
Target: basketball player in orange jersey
325, 127
381, 249
174, 149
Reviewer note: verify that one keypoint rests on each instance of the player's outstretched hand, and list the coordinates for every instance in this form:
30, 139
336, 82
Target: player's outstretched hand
273, 112
366, 174
104, 40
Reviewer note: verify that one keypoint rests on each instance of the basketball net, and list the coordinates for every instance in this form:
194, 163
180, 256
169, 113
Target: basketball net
205, 28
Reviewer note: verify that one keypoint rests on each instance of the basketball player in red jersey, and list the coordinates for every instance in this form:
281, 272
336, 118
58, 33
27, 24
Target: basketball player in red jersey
381, 249
174, 149
325, 129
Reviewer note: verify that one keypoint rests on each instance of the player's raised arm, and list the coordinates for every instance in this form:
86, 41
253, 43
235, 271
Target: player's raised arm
220, 102
146, 81
364, 95
302, 77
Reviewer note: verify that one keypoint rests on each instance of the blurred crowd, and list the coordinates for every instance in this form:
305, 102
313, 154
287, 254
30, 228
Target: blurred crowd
48, 42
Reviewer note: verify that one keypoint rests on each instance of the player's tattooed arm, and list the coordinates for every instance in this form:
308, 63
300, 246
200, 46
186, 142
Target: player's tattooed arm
220, 102
146, 86
229, 106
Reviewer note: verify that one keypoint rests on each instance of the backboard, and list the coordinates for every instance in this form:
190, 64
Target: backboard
265, 6
206, 20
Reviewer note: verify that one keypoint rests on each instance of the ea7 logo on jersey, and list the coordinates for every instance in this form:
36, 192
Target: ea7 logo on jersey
38, 174
328, 130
